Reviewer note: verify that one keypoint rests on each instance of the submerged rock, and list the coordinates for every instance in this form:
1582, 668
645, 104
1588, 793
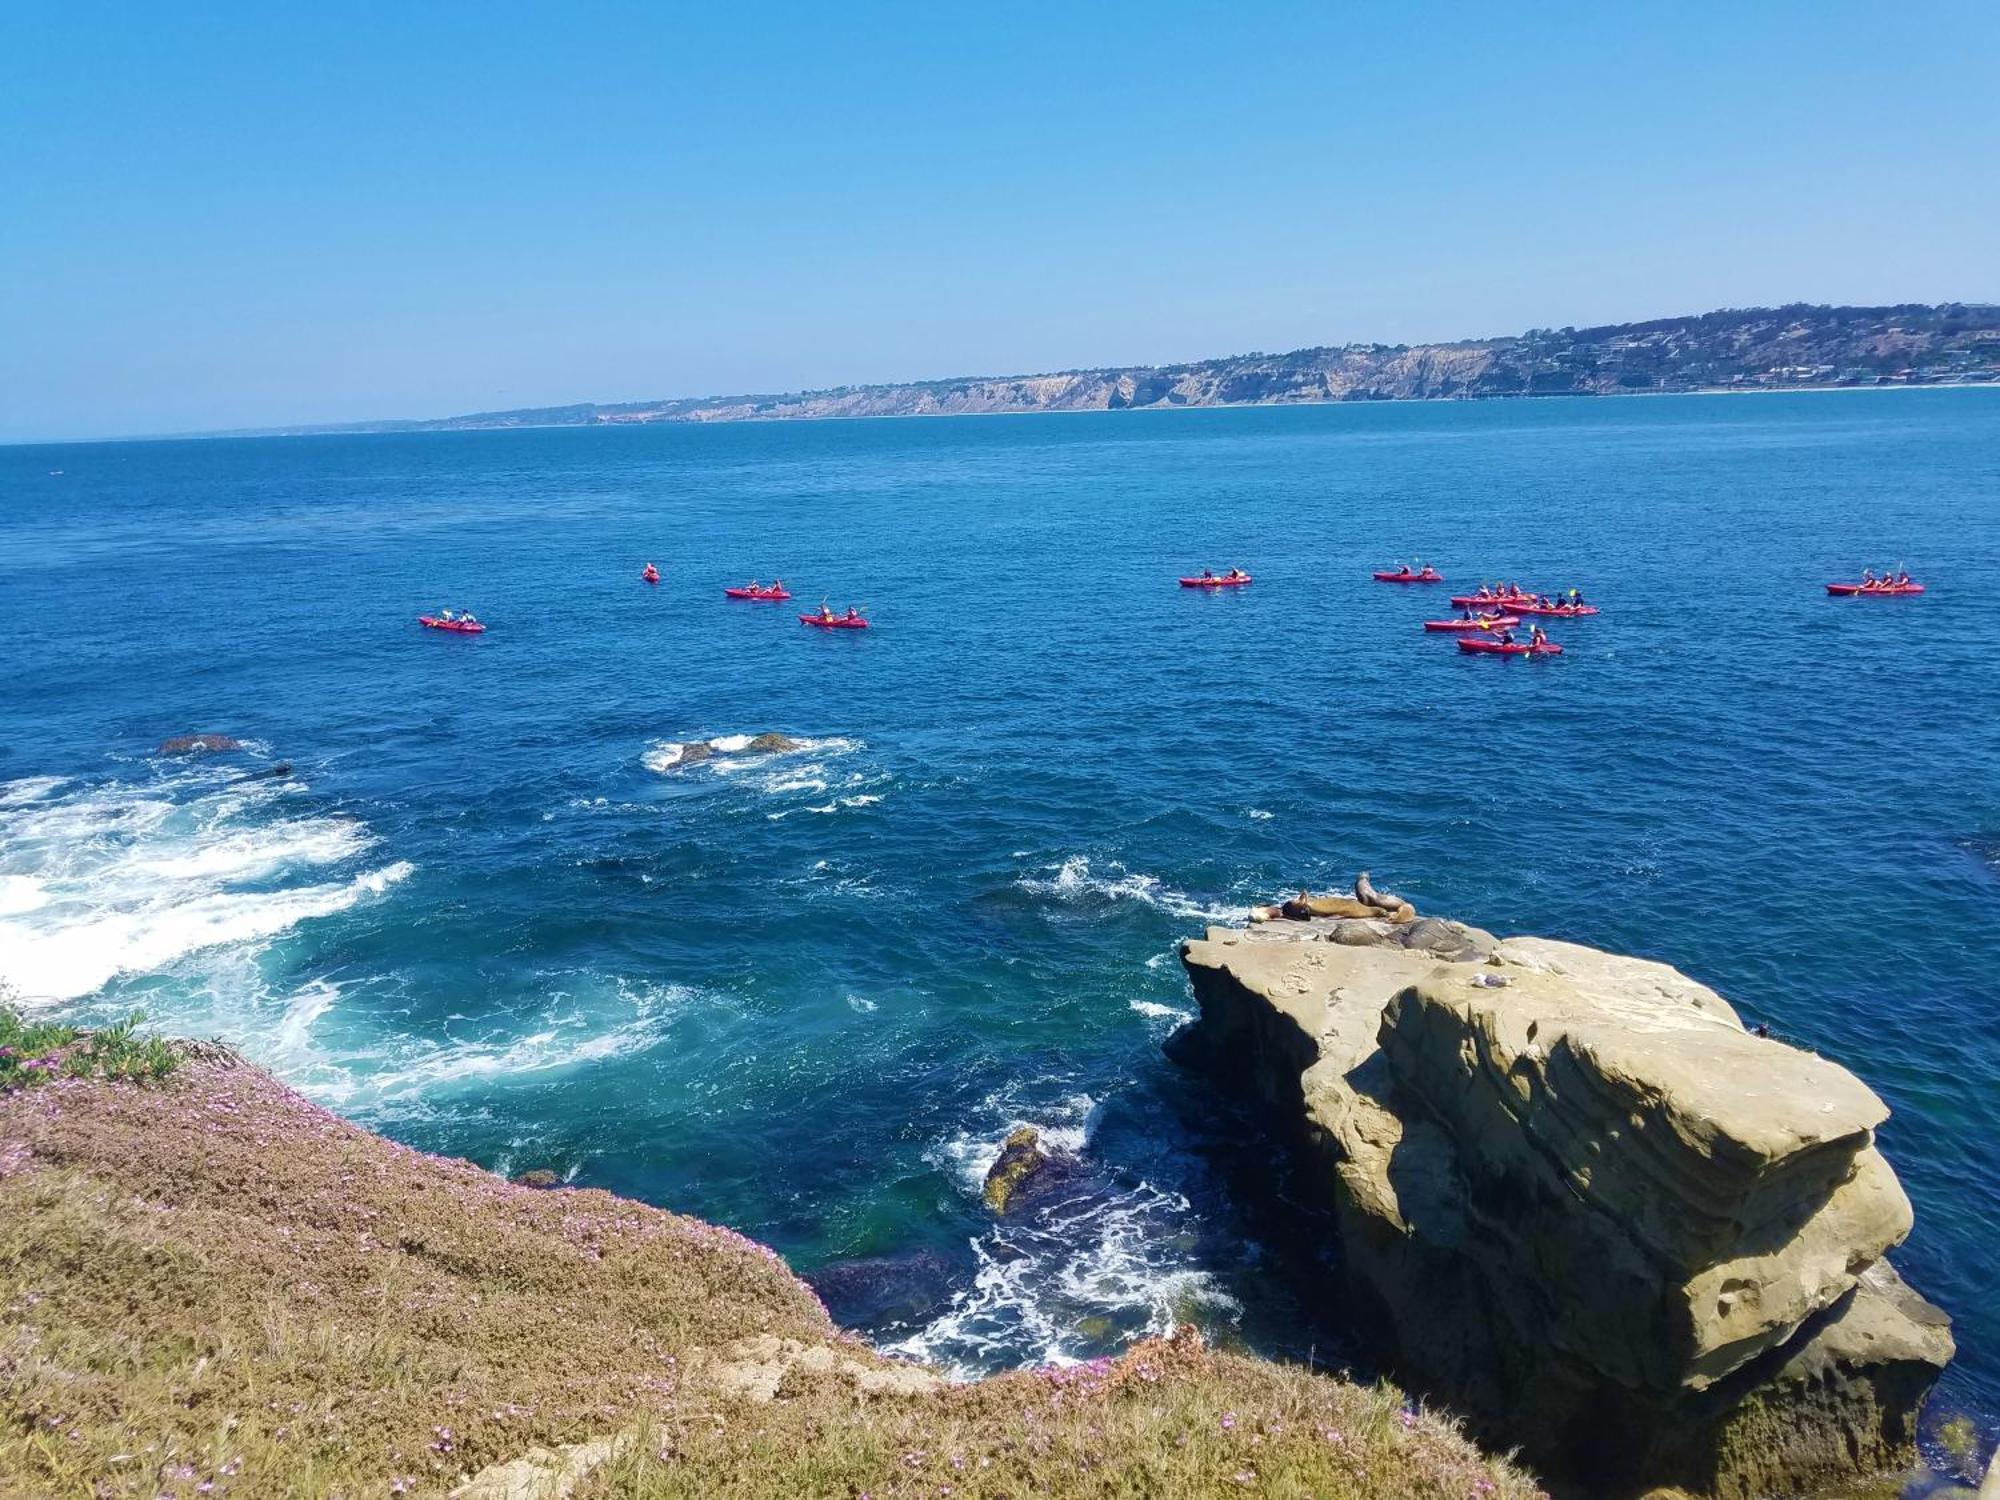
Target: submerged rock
1586, 1206
536, 1177
192, 744
1026, 1172
695, 751
903, 1289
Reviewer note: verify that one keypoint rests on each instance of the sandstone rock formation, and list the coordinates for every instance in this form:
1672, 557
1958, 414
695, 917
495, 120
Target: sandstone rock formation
1580, 1202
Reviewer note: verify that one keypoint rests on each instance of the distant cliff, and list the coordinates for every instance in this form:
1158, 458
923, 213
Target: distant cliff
1785, 348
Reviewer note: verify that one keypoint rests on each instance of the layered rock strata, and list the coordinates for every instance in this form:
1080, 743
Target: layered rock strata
1583, 1204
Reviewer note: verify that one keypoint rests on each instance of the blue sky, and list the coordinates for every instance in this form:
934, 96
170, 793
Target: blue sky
242, 215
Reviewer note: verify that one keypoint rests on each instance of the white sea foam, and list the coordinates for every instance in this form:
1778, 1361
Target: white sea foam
21, 893
1074, 881
131, 878
862, 1004
1106, 1250
1258, 814
77, 955
602, 1021
27, 789
1152, 1010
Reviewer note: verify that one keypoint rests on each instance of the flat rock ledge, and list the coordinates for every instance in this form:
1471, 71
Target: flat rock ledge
1581, 1203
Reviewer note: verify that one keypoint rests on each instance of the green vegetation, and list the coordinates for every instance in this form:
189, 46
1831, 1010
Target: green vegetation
34, 1052
214, 1288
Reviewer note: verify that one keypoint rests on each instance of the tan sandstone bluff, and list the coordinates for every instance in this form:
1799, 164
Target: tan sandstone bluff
1581, 1203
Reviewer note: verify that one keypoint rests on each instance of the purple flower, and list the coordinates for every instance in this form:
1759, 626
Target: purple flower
1407, 1417
1228, 1421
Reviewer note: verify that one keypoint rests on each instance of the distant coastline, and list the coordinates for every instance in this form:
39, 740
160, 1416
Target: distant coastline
1793, 348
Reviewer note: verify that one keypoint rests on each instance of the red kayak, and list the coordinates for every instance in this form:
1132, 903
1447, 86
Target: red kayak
651, 575
1215, 583
1429, 575
1489, 601
838, 622
1490, 622
463, 627
1506, 648
1870, 590
758, 593
1559, 611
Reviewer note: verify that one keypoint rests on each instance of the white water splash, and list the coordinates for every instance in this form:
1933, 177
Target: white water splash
1074, 881
131, 878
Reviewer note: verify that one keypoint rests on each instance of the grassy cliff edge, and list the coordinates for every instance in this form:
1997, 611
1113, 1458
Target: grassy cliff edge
209, 1286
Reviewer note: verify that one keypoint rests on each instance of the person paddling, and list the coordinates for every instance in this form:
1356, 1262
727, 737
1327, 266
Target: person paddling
1538, 639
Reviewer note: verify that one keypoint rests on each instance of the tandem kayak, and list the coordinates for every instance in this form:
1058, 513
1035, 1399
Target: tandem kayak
758, 593
1489, 601
1429, 575
1507, 648
1559, 611
838, 622
1215, 583
463, 627
1870, 591
1488, 622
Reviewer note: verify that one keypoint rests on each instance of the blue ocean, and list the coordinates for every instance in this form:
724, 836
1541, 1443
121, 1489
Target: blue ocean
493, 908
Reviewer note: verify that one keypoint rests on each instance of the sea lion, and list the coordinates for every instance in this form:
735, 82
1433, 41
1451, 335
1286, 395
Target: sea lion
1306, 905
1365, 892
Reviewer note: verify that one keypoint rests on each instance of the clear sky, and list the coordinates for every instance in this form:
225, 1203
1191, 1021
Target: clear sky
227, 215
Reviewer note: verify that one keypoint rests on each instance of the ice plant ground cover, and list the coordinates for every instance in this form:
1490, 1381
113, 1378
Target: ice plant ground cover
34, 1052
213, 1287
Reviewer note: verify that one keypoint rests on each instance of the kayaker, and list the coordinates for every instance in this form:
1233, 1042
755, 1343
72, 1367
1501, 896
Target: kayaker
1208, 572
1903, 580
1236, 573
1505, 637
777, 586
465, 617
1868, 578
1537, 638
853, 613
445, 615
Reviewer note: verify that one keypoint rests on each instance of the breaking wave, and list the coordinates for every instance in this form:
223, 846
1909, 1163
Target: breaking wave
1102, 1263
1074, 881
127, 878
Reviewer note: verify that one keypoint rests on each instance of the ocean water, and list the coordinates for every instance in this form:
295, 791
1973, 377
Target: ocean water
491, 912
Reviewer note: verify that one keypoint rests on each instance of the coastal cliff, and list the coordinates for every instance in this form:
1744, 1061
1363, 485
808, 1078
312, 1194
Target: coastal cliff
1799, 347
212, 1287
1580, 1202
